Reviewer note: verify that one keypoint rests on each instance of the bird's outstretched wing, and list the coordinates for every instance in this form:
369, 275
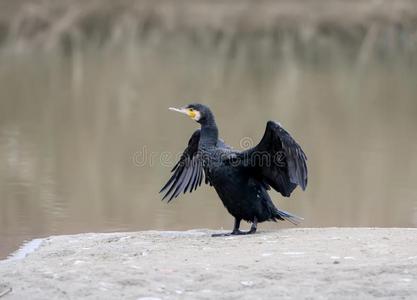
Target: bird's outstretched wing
188, 172
277, 160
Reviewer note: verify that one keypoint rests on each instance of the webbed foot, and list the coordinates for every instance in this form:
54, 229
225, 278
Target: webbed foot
221, 234
234, 232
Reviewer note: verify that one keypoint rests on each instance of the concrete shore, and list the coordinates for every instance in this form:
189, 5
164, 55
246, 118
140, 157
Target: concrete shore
322, 263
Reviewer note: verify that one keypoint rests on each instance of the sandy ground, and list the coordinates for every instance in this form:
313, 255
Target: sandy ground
335, 263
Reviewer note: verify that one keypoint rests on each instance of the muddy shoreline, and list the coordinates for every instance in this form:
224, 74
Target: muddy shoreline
341, 263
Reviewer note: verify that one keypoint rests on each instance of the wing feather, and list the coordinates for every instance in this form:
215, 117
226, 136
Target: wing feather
283, 175
187, 172
190, 180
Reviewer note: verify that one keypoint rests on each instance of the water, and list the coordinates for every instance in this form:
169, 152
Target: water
75, 129
25, 249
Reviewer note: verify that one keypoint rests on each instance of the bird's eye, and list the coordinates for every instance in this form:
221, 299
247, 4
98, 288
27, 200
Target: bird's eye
191, 109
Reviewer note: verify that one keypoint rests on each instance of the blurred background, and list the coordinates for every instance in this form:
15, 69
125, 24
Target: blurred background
85, 87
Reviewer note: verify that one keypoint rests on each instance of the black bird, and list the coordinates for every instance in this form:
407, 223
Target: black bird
240, 178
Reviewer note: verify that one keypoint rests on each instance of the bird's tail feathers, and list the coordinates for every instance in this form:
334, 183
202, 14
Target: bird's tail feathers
282, 214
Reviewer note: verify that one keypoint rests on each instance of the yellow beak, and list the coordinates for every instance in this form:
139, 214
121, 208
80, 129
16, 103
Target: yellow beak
185, 111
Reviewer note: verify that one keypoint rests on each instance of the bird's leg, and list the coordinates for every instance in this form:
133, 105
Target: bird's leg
235, 231
254, 226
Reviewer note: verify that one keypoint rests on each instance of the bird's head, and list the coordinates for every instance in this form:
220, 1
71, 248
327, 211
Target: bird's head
198, 112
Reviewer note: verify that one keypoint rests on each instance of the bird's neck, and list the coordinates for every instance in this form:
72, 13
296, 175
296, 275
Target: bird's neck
209, 132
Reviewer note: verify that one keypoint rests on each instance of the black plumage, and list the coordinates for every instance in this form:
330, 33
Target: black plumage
240, 178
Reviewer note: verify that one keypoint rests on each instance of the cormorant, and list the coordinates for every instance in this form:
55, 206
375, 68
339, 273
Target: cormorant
240, 178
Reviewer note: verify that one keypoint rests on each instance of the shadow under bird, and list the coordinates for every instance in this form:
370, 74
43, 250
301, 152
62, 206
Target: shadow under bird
240, 178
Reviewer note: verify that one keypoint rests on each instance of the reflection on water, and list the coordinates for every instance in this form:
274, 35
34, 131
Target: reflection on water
73, 126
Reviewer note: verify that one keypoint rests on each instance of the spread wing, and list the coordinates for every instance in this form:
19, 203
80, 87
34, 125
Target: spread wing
188, 172
277, 160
